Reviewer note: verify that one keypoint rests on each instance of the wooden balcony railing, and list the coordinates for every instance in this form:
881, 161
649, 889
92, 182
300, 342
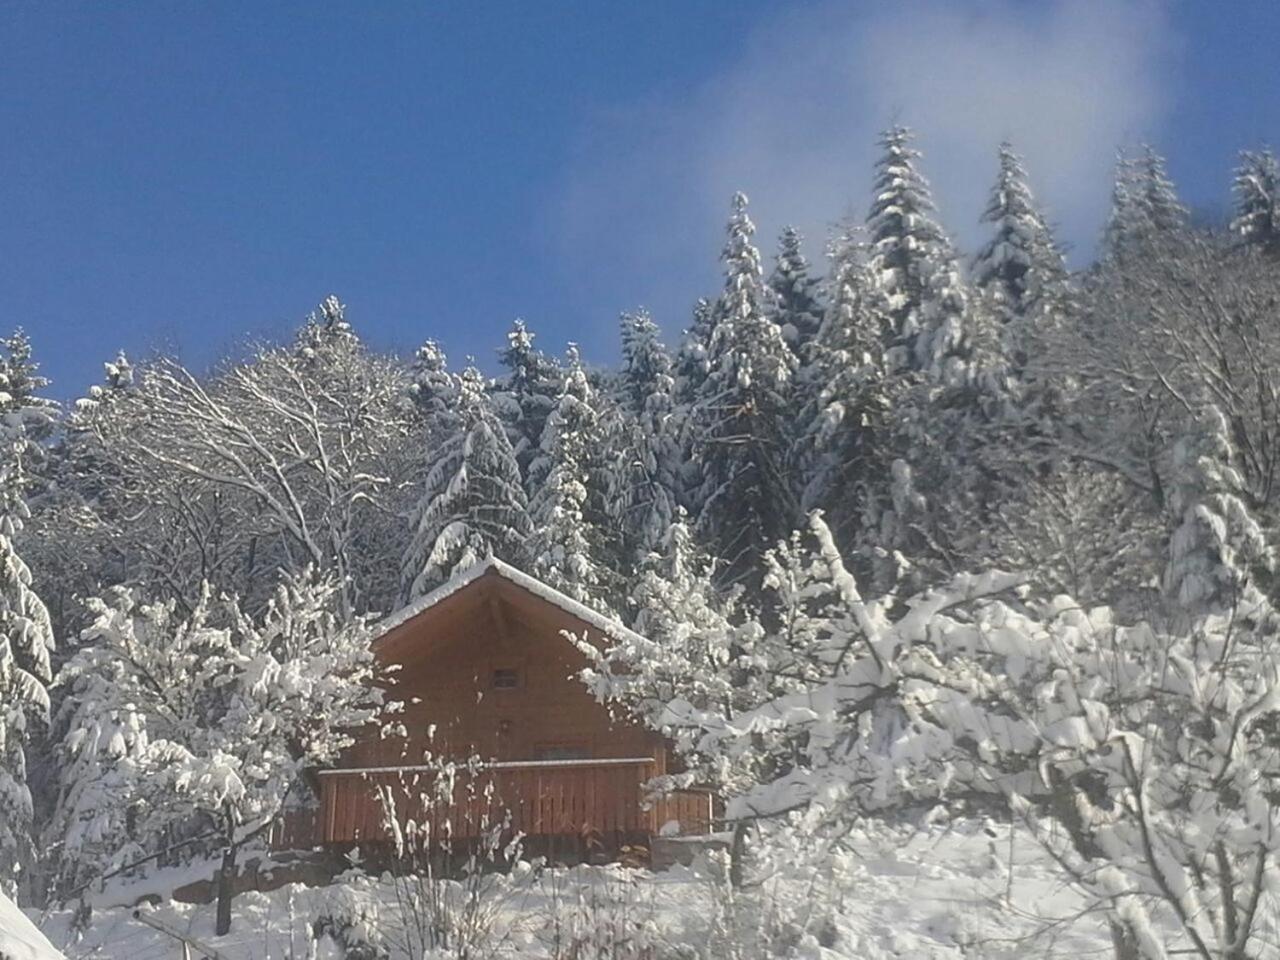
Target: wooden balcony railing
603, 797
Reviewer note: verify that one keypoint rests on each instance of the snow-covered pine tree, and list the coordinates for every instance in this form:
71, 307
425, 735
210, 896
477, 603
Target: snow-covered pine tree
573, 547
431, 388
20, 386
117, 380
1145, 208
1123, 213
472, 503
1155, 192
691, 359
26, 643
691, 366
647, 367
842, 386
325, 329
97, 739
650, 484
1217, 548
1020, 269
74, 540
26, 632
740, 419
1257, 207
796, 306
913, 266
525, 397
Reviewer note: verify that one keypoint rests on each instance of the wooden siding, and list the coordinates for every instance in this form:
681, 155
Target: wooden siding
447, 659
577, 799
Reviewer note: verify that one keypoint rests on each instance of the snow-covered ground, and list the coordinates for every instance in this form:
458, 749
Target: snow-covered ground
935, 893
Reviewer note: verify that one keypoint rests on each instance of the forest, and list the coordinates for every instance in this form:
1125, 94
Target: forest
907, 532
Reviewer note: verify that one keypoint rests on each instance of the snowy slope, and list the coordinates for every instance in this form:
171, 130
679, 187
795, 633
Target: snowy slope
19, 938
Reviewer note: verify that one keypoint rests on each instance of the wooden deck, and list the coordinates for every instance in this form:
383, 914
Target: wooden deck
602, 798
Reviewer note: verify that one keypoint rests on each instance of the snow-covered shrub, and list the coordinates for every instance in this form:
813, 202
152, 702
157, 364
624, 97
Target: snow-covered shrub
199, 728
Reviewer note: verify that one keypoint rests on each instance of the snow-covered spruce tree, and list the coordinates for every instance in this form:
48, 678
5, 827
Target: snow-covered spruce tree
691, 364
234, 709
1155, 194
913, 266
431, 388
573, 546
1020, 269
1257, 209
1145, 208
525, 397
740, 418
26, 644
842, 409
20, 386
691, 368
472, 503
796, 307
1217, 548
26, 633
76, 541
100, 743
325, 329
1024, 299
650, 483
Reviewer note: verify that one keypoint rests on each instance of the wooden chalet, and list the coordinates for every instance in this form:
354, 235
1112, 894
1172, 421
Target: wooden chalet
484, 669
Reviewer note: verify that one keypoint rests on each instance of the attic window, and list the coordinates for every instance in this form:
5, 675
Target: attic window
506, 678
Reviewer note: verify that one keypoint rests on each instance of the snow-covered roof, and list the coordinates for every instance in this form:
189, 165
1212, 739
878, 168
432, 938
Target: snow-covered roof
594, 618
19, 938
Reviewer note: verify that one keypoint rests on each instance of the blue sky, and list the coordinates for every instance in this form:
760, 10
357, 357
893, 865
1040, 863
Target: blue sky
186, 177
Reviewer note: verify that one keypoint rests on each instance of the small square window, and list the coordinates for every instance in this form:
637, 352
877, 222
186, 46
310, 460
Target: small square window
506, 678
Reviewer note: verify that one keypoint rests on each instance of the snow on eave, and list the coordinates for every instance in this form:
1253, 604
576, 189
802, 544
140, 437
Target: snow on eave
593, 618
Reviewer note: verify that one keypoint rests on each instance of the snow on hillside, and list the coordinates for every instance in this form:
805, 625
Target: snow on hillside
941, 893
19, 938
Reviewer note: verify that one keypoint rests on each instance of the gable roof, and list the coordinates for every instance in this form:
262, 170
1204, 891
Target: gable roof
607, 625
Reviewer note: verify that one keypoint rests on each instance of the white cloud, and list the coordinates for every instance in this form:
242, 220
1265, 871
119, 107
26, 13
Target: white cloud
793, 123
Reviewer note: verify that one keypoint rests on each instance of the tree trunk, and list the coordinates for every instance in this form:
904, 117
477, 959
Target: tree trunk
226, 890
1124, 942
738, 854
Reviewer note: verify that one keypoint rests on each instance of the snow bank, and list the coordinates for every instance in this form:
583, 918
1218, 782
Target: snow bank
935, 893
19, 938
